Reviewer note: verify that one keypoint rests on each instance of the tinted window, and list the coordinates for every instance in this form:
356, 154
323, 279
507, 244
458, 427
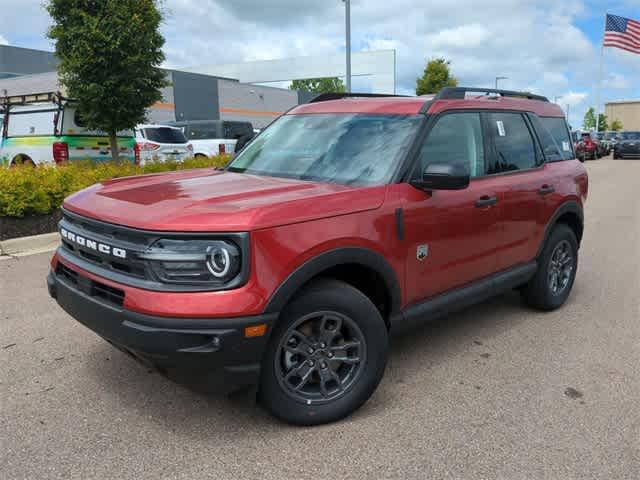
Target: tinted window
630, 136
515, 149
455, 138
336, 148
235, 130
77, 119
165, 135
203, 132
554, 137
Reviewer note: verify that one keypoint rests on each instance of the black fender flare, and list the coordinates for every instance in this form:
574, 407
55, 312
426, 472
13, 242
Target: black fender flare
570, 206
332, 258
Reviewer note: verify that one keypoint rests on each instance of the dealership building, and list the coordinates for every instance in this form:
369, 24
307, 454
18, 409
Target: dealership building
190, 96
626, 111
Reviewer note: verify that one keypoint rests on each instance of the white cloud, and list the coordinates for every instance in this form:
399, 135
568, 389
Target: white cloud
3, 41
572, 98
464, 36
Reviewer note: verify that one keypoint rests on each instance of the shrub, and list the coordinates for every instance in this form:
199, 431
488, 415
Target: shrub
25, 190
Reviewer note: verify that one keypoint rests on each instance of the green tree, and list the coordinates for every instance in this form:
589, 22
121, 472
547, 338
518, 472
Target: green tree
616, 125
319, 85
110, 52
589, 122
603, 123
436, 76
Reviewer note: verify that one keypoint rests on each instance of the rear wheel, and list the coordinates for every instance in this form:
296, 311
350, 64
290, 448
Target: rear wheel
22, 160
326, 355
557, 266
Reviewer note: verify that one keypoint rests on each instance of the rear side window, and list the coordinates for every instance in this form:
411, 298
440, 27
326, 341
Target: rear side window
515, 149
554, 137
456, 138
203, 132
235, 130
164, 135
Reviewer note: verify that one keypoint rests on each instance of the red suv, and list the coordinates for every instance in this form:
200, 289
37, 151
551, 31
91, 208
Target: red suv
349, 218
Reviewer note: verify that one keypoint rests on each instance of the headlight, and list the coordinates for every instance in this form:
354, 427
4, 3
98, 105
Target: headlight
195, 262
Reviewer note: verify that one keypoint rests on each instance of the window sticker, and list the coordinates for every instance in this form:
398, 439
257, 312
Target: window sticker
501, 130
566, 146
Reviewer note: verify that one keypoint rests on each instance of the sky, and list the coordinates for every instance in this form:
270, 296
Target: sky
550, 47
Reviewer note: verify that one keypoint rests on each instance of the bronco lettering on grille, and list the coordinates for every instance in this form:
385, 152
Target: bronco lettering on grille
92, 244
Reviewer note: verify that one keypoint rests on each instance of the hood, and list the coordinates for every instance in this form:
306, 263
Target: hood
214, 201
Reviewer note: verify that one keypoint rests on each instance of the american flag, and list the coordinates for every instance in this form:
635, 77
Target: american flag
622, 33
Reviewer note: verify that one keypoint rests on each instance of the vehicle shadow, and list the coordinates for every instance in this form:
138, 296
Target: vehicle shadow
189, 413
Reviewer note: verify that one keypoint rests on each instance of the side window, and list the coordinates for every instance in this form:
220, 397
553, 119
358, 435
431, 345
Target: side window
455, 138
556, 128
515, 149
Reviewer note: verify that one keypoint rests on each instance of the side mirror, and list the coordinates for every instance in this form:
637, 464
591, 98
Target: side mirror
443, 176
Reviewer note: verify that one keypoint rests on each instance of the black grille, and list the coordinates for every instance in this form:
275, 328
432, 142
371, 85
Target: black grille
108, 294
111, 235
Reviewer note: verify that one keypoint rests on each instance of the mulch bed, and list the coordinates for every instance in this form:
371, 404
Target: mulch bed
14, 227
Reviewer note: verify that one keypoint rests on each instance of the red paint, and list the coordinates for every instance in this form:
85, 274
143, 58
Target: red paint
292, 221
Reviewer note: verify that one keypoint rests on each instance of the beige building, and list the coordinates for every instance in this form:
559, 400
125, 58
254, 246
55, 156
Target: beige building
626, 111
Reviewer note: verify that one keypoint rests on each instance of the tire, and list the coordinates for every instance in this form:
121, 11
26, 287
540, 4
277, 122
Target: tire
292, 377
541, 292
22, 160
200, 156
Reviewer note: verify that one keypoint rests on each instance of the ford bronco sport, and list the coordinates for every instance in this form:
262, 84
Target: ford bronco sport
349, 218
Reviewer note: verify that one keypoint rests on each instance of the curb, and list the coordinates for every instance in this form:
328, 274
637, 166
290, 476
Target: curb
19, 247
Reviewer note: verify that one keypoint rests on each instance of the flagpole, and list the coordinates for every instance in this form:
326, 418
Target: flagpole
598, 97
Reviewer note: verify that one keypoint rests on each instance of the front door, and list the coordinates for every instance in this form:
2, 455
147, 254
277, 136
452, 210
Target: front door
451, 236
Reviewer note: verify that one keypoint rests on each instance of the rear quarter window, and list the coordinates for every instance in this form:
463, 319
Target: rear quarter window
554, 137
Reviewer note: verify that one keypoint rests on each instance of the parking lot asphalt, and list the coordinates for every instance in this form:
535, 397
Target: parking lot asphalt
496, 391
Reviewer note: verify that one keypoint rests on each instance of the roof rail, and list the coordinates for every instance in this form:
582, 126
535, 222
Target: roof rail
325, 97
458, 93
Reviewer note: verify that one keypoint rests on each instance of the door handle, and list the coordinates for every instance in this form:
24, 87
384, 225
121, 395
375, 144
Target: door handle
546, 190
486, 201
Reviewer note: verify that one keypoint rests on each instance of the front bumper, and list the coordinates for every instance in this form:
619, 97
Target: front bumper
208, 354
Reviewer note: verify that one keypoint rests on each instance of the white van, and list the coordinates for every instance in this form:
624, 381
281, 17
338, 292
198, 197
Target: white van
45, 128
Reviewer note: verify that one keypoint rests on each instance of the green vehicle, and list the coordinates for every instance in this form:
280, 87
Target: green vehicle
45, 128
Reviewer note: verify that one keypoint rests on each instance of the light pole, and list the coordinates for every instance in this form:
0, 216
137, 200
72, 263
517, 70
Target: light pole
347, 8
500, 78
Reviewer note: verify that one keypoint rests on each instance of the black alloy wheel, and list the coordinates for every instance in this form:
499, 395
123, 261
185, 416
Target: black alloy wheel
320, 357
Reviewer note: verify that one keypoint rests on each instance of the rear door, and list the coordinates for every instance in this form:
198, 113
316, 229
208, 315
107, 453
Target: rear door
517, 164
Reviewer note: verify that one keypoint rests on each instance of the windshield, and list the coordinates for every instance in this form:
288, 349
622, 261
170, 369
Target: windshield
630, 135
165, 135
336, 148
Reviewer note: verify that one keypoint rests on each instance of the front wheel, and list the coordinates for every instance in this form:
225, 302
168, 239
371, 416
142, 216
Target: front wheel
326, 356
557, 267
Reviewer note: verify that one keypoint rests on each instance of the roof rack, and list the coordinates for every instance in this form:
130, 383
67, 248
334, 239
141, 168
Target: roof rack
11, 100
325, 97
458, 93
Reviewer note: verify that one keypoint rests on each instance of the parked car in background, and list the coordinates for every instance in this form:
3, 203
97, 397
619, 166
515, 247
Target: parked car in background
161, 143
609, 138
601, 143
215, 137
586, 148
628, 145
46, 128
